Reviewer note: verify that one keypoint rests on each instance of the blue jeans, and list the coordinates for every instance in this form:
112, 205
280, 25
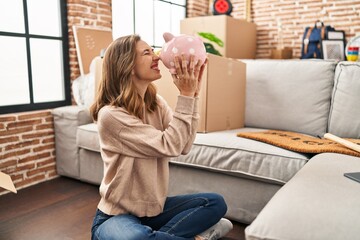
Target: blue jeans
183, 217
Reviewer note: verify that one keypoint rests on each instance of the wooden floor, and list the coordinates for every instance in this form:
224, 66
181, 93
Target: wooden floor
62, 208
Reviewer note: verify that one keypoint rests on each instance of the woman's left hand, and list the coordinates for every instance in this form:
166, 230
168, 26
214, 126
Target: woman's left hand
185, 79
186, 74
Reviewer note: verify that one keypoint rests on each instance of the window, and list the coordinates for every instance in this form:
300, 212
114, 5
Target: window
34, 60
148, 18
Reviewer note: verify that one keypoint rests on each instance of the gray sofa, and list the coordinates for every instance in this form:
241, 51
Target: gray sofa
306, 96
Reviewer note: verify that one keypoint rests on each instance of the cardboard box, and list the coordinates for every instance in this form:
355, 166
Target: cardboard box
239, 36
6, 182
222, 96
285, 53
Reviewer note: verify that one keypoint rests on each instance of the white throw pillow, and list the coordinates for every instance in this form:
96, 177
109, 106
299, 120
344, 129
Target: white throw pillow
345, 111
83, 88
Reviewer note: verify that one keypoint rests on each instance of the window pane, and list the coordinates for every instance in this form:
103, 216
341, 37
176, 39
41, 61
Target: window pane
144, 20
152, 18
162, 21
47, 70
12, 16
13, 71
181, 2
122, 18
177, 14
48, 10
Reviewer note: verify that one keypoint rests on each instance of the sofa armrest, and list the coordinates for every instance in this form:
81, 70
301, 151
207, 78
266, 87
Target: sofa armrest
66, 121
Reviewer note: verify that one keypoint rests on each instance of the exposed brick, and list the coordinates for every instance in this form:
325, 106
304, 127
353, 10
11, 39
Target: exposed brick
103, 24
105, 12
38, 114
52, 174
8, 163
22, 144
9, 139
23, 123
34, 157
7, 118
49, 119
88, 16
40, 170
90, 4
29, 181
44, 126
48, 140
15, 153
106, 19
77, 8
44, 147
104, 3
16, 131
16, 177
37, 134
23, 167
50, 161
73, 59
9, 170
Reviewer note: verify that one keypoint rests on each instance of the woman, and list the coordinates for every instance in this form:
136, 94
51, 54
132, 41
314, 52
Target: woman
138, 134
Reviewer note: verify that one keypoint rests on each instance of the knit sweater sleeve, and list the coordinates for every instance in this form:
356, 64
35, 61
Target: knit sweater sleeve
126, 134
168, 115
194, 125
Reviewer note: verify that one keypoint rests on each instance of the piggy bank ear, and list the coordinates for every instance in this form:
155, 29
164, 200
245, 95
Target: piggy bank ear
168, 36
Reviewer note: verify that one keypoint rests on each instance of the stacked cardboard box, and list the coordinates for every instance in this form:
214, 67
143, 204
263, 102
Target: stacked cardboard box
239, 36
222, 96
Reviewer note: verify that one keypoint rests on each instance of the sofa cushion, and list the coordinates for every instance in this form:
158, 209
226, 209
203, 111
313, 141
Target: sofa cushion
345, 109
317, 203
87, 137
224, 152
289, 95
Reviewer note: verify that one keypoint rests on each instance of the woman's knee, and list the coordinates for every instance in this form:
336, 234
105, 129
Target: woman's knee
122, 229
219, 203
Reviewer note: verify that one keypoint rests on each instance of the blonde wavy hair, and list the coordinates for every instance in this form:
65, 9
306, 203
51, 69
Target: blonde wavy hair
116, 87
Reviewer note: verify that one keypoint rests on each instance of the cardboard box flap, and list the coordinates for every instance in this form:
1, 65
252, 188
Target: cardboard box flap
6, 182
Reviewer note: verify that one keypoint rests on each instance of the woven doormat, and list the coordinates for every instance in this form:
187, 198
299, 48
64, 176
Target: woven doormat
299, 142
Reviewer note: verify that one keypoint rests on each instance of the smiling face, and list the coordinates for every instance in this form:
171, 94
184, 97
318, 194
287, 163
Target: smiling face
146, 67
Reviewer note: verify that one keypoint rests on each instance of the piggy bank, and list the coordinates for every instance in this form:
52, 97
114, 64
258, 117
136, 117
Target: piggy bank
183, 44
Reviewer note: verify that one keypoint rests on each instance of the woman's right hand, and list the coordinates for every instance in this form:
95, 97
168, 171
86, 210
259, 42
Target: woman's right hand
186, 78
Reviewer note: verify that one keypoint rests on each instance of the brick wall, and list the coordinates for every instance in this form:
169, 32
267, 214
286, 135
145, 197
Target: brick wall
293, 16
27, 148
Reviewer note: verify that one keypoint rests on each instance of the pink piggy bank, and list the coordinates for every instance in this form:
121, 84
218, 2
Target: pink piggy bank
183, 44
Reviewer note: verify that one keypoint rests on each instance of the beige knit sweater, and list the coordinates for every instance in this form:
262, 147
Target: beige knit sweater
136, 155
